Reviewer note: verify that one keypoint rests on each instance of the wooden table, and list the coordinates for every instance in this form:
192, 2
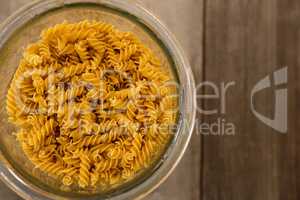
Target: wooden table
238, 42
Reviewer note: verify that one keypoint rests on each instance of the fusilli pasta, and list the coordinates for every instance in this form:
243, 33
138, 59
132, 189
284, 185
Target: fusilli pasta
89, 101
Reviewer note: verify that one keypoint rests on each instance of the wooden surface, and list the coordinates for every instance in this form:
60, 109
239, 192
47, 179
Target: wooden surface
225, 41
244, 42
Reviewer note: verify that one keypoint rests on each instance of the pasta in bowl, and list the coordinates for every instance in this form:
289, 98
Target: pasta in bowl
95, 102
92, 104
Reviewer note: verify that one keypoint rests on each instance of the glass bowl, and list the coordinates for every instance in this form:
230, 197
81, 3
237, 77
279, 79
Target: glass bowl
24, 27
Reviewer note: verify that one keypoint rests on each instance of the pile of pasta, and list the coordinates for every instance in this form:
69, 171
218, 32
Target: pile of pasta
92, 104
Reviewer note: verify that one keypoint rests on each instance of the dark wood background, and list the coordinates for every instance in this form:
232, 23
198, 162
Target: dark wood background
225, 41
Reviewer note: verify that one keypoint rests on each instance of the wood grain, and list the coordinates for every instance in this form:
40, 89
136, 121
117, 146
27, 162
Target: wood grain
184, 181
244, 42
287, 149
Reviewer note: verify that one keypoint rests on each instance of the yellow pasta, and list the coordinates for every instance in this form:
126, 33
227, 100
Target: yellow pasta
92, 104
84, 174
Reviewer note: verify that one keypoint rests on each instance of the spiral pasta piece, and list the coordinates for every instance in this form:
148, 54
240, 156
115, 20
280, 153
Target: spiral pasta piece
143, 158
106, 165
84, 175
11, 105
52, 168
38, 136
73, 70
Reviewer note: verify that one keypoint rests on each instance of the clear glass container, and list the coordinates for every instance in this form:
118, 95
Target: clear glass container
24, 27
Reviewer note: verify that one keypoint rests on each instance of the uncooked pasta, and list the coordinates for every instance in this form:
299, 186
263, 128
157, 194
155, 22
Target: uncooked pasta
93, 105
